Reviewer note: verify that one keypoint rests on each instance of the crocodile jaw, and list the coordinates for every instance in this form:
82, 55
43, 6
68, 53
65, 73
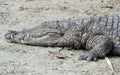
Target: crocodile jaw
13, 36
48, 39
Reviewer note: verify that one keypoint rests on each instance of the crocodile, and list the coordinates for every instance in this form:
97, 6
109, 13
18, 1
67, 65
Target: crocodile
100, 35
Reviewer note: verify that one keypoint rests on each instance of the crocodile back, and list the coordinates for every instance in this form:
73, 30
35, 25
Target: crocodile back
110, 24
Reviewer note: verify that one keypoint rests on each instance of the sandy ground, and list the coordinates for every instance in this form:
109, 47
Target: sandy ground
17, 59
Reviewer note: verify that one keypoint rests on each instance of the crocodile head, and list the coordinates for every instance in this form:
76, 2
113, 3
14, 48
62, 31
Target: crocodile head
32, 37
48, 34
10, 35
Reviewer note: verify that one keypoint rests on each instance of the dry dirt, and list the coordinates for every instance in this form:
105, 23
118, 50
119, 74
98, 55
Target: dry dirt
17, 59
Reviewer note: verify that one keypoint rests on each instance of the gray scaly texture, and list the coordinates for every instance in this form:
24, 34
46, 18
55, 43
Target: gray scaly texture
100, 35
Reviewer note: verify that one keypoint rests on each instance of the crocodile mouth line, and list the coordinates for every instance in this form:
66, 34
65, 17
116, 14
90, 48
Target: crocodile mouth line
8, 40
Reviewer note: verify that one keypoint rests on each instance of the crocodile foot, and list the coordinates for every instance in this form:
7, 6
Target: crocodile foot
89, 57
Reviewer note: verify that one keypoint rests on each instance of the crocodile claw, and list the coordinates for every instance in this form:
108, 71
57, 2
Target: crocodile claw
89, 57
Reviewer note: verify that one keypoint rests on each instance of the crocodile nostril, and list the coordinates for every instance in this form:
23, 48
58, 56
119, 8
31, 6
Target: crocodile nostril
10, 31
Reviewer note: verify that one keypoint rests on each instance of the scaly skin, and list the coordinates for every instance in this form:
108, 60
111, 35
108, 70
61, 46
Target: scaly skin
100, 35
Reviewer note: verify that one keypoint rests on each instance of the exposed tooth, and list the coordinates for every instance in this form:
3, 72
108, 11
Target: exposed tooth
27, 35
11, 36
22, 41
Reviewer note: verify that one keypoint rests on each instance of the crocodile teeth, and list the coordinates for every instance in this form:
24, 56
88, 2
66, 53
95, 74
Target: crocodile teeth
22, 41
11, 36
28, 35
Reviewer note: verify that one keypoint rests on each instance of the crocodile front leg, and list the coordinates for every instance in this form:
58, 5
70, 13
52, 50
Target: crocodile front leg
99, 47
71, 38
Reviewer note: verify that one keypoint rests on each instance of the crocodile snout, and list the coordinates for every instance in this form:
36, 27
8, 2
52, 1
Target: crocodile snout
10, 34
